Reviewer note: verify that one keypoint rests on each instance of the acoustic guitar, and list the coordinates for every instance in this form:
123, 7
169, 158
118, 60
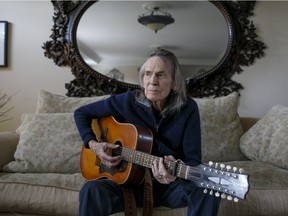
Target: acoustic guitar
135, 145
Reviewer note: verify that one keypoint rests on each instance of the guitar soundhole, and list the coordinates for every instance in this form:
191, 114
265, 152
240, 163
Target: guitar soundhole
116, 169
118, 151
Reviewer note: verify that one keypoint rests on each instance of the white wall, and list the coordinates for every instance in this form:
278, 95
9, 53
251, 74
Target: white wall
265, 82
29, 71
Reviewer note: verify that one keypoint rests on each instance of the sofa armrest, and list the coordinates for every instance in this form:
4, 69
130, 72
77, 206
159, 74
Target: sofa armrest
8, 144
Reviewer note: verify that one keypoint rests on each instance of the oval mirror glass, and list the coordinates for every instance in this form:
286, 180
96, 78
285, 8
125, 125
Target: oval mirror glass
115, 44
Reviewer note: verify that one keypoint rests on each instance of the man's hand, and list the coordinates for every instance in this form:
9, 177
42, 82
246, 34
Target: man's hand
101, 149
160, 173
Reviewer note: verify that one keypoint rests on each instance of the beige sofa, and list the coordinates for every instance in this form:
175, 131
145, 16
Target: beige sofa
39, 177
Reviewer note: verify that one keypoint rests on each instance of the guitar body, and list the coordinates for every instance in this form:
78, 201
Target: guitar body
126, 135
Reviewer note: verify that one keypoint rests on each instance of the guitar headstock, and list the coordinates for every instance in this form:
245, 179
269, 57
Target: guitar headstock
221, 180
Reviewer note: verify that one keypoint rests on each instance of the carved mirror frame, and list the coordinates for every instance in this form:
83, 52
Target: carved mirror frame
242, 50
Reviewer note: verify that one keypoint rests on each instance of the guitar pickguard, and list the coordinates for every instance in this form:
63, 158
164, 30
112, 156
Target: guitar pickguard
113, 170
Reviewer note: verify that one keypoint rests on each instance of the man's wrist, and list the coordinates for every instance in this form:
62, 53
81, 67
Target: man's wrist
91, 142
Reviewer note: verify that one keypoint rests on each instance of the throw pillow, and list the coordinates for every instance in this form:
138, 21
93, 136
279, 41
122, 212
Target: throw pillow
53, 103
267, 140
48, 143
220, 127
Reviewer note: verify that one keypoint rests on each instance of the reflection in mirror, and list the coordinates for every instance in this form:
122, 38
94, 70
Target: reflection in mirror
110, 38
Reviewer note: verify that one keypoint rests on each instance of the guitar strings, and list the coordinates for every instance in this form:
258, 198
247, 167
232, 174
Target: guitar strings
145, 159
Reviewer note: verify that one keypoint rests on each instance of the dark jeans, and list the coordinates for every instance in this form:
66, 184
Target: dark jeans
104, 197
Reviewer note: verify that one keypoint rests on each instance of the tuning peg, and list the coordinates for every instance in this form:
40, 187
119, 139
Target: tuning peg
223, 195
236, 199
222, 166
234, 169
229, 197
205, 191
216, 165
217, 194
210, 163
211, 192
228, 167
241, 170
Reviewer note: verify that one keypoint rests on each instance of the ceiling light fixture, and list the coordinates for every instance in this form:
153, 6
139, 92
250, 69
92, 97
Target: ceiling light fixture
156, 20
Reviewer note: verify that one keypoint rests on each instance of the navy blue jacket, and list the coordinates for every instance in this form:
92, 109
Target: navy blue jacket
178, 135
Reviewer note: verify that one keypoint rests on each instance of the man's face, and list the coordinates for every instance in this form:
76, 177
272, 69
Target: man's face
157, 80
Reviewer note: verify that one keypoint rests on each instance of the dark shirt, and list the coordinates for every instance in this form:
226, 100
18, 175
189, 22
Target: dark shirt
178, 135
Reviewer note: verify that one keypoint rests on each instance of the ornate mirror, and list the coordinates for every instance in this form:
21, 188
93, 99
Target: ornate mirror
105, 45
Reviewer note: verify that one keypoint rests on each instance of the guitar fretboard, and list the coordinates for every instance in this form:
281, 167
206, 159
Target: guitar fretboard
146, 160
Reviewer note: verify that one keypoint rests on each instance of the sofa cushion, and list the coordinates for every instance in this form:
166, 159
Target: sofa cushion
267, 140
220, 127
45, 193
49, 142
53, 103
57, 194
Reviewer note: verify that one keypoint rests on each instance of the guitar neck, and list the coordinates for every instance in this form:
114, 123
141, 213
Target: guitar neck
146, 160
226, 182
